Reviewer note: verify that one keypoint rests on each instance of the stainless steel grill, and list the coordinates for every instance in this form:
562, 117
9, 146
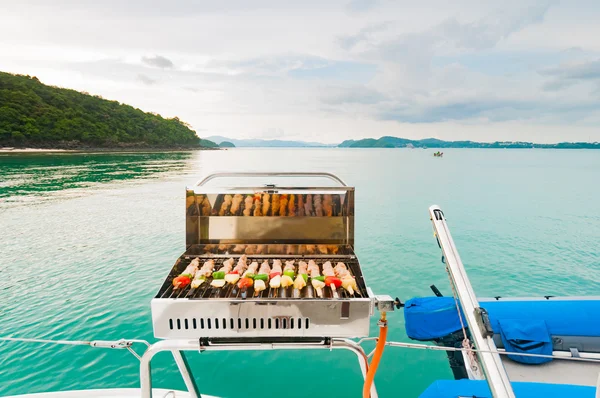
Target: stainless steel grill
266, 223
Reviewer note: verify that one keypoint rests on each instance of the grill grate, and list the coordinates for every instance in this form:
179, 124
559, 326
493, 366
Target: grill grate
206, 291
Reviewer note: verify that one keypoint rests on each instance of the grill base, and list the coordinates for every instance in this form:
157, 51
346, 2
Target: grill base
182, 319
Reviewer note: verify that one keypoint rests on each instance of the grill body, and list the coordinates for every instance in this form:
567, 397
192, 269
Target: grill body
217, 232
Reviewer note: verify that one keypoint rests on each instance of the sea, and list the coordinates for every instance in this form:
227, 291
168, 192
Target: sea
87, 239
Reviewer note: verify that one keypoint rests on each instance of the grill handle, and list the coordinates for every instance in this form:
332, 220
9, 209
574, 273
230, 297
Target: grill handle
330, 176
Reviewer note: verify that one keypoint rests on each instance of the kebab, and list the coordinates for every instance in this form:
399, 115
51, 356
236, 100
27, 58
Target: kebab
330, 279
257, 206
301, 208
317, 281
247, 279
265, 204
275, 204
300, 281
186, 276
292, 206
288, 274
261, 277
219, 276
308, 205
248, 205
275, 275
283, 204
318, 206
203, 273
227, 200
328, 205
235, 203
234, 275
348, 281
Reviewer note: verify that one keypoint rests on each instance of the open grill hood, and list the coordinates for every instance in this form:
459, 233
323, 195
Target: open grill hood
217, 229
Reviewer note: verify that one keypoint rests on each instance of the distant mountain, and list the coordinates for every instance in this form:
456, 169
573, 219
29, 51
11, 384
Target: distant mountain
395, 142
258, 143
226, 144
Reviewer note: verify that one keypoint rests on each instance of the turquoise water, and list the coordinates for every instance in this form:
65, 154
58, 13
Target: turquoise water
86, 241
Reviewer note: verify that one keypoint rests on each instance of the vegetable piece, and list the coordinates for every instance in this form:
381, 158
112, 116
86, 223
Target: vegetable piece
289, 273
181, 281
332, 280
245, 283
261, 277
319, 278
218, 275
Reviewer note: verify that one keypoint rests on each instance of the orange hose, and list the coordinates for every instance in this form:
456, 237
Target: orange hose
376, 357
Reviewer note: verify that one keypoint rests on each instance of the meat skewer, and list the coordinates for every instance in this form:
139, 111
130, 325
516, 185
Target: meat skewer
260, 249
322, 249
238, 248
292, 206
261, 277
186, 276
300, 281
236, 202
330, 279
227, 201
287, 279
205, 207
328, 205
318, 206
348, 281
258, 209
219, 276
283, 204
317, 281
248, 202
301, 208
234, 275
275, 204
275, 275
265, 204
203, 273
308, 205
248, 278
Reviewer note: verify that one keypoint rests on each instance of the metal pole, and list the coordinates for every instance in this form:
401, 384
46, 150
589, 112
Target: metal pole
186, 374
176, 346
491, 363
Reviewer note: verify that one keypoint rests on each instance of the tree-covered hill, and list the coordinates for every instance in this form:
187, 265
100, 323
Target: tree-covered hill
33, 114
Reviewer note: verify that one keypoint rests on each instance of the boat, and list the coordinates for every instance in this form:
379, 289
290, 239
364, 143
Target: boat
506, 347
438, 154
216, 297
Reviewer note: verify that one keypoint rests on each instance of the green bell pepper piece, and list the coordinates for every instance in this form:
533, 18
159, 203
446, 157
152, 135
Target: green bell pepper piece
319, 278
305, 277
218, 275
289, 273
262, 277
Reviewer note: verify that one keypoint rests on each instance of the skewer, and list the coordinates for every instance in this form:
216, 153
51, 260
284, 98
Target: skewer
330, 279
301, 279
317, 281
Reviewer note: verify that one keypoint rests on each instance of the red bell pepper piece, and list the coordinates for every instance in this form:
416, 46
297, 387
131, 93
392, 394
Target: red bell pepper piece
181, 281
332, 280
274, 274
245, 283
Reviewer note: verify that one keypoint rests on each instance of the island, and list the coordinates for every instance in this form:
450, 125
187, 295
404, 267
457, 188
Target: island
34, 115
226, 144
396, 142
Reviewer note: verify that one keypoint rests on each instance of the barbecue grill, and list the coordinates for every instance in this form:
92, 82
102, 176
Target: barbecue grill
217, 231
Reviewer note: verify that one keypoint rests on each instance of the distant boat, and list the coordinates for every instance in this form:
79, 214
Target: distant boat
438, 154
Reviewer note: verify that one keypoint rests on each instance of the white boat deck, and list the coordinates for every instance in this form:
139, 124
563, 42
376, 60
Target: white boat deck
110, 393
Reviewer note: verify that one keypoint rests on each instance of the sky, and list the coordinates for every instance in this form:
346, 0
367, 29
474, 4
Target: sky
514, 70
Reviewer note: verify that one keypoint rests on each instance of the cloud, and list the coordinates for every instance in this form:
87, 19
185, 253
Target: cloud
569, 74
146, 80
361, 5
352, 95
158, 61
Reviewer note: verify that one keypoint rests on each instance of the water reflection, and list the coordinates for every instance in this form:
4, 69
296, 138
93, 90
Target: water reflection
27, 176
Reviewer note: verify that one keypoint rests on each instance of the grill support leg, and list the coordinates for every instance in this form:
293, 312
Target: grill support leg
178, 346
186, 374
